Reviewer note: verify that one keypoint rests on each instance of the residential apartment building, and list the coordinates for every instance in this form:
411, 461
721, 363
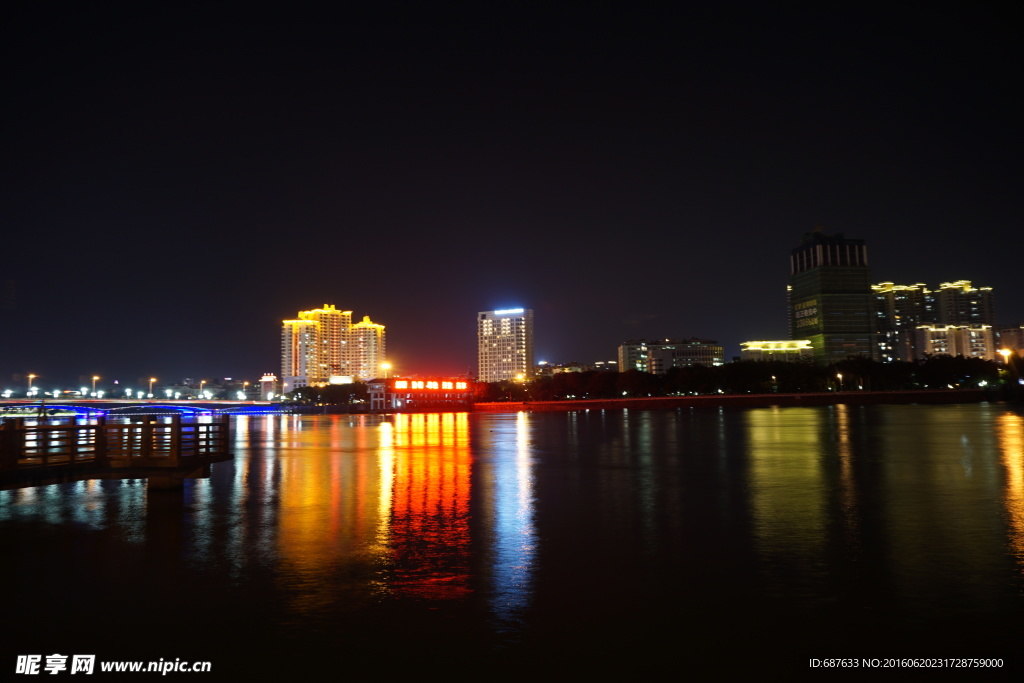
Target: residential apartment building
299, 361
505, 345
913, 321
366, 349
322, 346
969, 341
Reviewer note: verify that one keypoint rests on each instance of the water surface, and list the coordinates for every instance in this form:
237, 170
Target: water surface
582, 542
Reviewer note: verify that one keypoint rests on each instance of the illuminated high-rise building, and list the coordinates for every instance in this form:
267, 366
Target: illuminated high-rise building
323, 346
960, 303
902, 312
298, 354
830, 298
331, 340
899, 309
366, 349
505, 345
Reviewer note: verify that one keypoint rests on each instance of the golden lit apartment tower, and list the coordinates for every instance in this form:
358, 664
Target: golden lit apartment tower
366, 349
322, 346
505, 345
298, 353
332, 328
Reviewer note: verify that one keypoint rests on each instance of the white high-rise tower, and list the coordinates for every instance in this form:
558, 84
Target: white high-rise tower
505, 345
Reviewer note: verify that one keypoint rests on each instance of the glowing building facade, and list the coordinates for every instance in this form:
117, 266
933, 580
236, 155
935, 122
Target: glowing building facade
505, 345
321, 346
434, 394
790, 351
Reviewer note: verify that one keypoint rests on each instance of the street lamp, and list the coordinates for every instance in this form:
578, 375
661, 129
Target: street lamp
202, 382
150, 392
1005, 353
94, 378
386, 367
839, 376
30, 378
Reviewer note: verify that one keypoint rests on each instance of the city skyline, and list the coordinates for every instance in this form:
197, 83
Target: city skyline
175, 188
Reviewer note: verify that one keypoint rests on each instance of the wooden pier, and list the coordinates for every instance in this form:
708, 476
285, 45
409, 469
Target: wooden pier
164, 450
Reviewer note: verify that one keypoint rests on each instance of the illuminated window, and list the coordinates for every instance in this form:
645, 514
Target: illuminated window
417, 385
431, 385
401, 384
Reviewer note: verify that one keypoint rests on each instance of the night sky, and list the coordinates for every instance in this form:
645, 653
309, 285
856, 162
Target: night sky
178, 182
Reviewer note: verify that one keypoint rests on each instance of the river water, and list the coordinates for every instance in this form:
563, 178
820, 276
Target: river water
592, 542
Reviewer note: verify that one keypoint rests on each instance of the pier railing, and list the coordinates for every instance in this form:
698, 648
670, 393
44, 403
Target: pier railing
95, 444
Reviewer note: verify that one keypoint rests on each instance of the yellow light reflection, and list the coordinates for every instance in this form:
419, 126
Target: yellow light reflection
786, 477
329, 512
1010, 433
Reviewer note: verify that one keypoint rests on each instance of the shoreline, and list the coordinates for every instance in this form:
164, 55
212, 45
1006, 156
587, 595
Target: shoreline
929, 396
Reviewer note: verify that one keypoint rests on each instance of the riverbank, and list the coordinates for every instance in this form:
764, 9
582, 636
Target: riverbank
936, 396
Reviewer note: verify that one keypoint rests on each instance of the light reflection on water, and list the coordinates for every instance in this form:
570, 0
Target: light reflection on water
1010, 436
594, 533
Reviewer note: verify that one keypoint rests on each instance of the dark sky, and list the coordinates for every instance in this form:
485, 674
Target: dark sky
177, 183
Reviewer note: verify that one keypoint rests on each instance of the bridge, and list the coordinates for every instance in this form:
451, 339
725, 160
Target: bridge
15, 406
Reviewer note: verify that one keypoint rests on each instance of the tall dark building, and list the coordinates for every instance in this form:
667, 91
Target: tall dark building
830, 297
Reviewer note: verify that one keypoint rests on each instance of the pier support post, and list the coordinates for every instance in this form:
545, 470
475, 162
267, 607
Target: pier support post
13, 434
101, 440
164, 482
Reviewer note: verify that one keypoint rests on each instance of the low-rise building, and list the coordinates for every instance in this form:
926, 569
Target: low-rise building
790, 350
657, 357
433, 394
